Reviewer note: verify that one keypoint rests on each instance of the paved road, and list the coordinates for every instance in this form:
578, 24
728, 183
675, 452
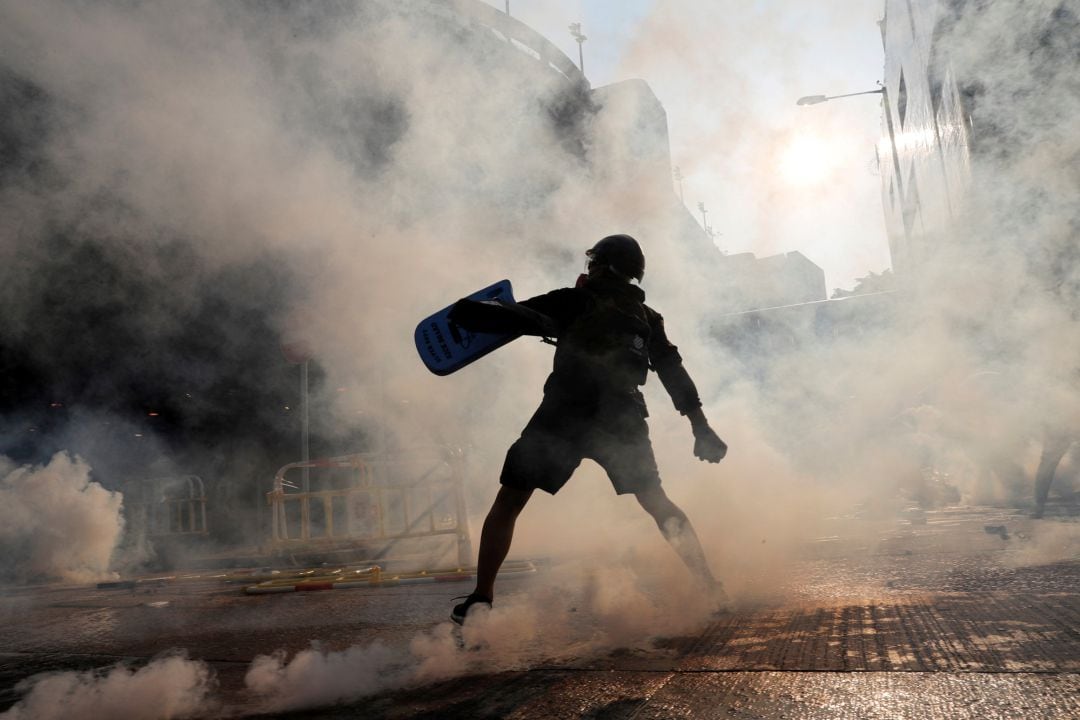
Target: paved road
936, 619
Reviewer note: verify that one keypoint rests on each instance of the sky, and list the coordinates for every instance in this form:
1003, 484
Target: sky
774, 177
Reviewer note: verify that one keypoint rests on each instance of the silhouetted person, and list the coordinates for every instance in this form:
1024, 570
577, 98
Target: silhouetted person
1060, 429
1055, 445
608, 339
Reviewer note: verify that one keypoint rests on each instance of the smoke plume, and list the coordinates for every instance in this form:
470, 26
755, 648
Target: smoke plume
584, 609
169, 688
180, 181
56, 523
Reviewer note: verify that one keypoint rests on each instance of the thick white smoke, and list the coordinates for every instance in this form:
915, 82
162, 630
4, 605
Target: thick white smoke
376, 157
262, 138
259, 143
56, 523
585, 608
168, 688
314, 677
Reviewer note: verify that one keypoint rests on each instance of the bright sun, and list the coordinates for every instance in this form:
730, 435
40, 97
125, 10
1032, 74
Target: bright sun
805, 160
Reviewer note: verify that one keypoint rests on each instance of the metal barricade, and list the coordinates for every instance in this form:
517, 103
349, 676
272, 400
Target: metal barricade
175, 506
371, 500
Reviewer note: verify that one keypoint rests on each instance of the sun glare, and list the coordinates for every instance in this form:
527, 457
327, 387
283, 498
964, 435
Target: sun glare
805, 160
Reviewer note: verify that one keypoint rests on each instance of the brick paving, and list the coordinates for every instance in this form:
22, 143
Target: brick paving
930, 620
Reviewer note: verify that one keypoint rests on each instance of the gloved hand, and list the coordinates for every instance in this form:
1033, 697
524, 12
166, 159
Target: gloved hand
707, 445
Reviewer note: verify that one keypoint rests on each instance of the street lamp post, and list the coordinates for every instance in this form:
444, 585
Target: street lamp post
816, 99
883, 92
679, 178
575, 30
305, 425
704, 222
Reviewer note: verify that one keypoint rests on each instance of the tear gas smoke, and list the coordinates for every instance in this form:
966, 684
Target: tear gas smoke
585, 609
245, 164
731, 72
313, 677
1048, 543
56, 523
169, 688
227, 164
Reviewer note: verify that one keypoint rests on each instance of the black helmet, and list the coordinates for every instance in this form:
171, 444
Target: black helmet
621, 253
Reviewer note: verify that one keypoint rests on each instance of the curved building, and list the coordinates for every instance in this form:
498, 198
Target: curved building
979, 130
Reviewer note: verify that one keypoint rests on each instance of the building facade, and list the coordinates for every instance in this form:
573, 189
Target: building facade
979, 133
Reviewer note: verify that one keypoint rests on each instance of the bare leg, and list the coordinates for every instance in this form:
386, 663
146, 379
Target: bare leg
1054, 448
497, 535
678, 531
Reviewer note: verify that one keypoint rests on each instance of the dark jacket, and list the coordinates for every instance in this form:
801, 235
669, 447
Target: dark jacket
608, 340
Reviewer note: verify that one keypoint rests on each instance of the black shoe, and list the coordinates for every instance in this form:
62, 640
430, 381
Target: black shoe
462, 609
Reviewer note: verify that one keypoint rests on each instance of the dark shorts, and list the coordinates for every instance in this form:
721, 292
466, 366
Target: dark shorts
559, 437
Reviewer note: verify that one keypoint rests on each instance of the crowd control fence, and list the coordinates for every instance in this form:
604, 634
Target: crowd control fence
373, 501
